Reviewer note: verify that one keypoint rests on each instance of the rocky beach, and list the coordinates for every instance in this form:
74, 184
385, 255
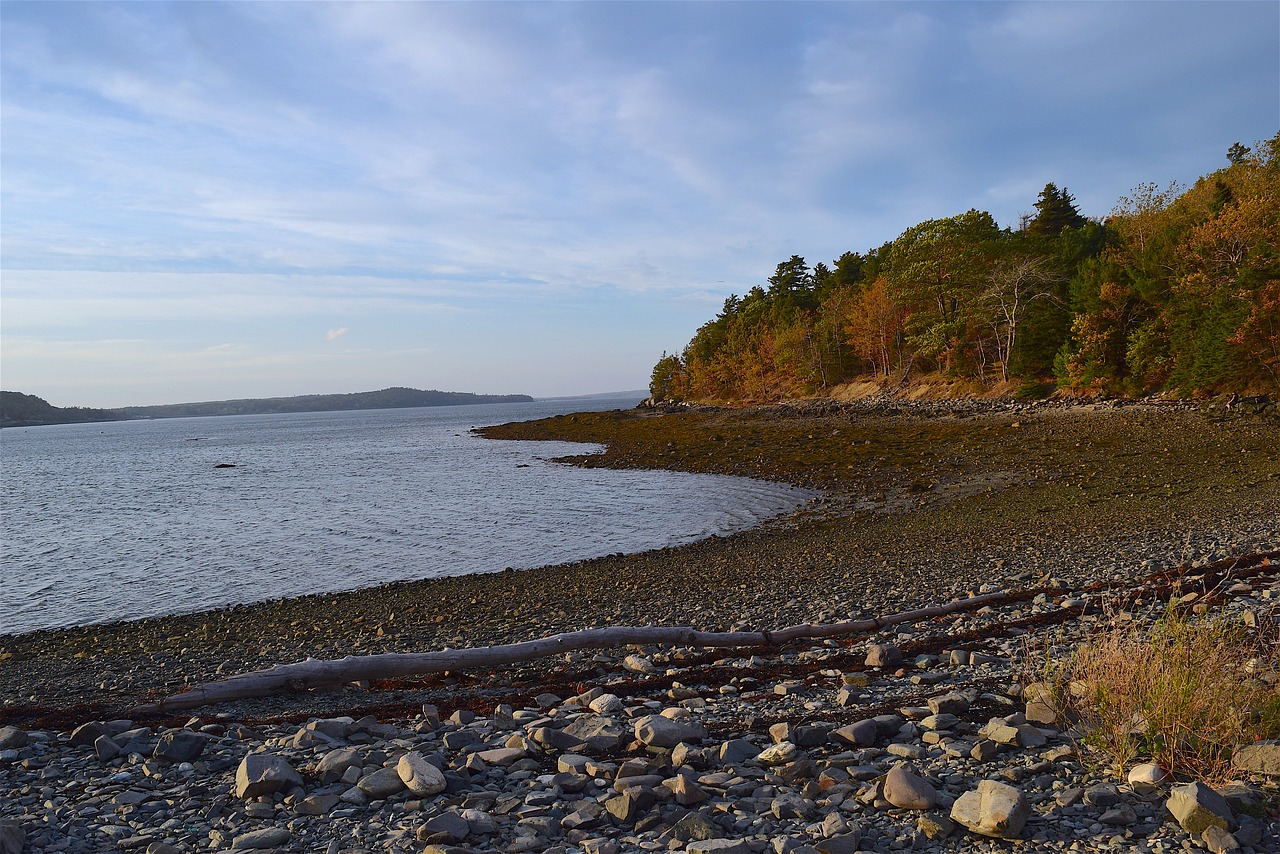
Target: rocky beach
920, 736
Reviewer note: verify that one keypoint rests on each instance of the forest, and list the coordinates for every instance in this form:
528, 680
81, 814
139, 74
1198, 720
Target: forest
1176, 291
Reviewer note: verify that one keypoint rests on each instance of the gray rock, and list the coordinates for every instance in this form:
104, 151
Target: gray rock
1261, 757
267, 837
737, 750
992, 809
940, 721
446, 827
180, 745
1102, 795
630, 805
1041, 706
935, 825
984, 750
262, 774
554, 739
597, 734
1243, 798
12, 738
1121, 816
420, 776
863, 733
889, 725
841, 843
1001, 733
381, 784
318, 804
12, 837
335, 763
777, 754
1196, 807
1146, 777
105, 748
791, 806
637, 664
719, 846
694, 826
949, 704
884, 655
907, 790
687, 792
86, 734
810, 735
658, 731
502, 756
607, 704
1218, 840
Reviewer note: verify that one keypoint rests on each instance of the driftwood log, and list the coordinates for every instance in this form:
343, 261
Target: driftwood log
314, 673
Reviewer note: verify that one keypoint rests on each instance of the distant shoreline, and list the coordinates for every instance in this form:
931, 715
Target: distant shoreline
24, 410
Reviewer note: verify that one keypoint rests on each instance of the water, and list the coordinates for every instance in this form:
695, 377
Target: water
123, 520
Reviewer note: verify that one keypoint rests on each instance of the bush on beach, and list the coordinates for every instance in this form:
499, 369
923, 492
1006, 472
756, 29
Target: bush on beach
1186, 691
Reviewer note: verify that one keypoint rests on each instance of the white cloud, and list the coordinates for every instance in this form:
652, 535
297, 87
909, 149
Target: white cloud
273, 169
335, 334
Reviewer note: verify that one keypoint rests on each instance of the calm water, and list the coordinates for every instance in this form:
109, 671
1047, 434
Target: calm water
123, 520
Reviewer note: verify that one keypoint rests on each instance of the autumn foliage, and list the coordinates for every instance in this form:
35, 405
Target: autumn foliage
1177, 291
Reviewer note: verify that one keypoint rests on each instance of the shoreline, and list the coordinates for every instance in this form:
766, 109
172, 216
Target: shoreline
877, 741
995, 492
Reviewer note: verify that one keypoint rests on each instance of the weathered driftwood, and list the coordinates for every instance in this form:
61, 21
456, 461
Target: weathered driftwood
314, 673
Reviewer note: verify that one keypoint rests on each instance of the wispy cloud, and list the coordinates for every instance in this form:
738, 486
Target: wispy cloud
278, 168
335, 334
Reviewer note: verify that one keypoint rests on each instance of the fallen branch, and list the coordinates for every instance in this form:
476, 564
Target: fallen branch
314, 673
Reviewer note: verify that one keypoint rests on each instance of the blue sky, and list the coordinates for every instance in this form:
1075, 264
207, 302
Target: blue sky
208, 200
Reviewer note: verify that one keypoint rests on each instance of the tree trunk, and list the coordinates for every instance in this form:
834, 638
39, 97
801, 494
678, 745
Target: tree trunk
313, 673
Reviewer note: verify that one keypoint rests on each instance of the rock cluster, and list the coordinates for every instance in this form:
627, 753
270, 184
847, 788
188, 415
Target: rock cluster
829, 748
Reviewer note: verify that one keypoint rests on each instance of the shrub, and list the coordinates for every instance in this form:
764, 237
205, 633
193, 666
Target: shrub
1186, 691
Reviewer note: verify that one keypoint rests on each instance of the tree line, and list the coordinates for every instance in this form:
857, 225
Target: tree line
1177, 290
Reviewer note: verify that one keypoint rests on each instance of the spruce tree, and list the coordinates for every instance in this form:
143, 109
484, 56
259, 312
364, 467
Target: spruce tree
1055, 210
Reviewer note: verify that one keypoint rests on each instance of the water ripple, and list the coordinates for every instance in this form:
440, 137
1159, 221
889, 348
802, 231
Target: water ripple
104, 522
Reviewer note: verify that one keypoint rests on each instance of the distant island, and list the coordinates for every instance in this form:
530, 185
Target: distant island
25, 410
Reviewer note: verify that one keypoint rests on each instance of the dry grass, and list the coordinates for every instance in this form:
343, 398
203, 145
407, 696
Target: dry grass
1185, 691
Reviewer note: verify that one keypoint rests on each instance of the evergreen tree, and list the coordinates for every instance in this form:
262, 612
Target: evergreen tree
1055, 210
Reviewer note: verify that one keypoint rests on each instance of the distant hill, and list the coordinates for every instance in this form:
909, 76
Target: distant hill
387, 398
17, 409
26, 410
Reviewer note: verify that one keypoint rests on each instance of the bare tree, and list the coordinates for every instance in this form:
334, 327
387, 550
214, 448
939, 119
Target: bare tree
1012, 286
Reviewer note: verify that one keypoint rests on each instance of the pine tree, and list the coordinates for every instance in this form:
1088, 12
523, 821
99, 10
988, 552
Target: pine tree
1055, 211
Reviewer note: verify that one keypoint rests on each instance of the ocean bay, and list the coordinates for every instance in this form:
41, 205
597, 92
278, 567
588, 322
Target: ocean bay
124, 520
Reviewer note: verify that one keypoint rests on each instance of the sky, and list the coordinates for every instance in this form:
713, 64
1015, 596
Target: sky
202, 201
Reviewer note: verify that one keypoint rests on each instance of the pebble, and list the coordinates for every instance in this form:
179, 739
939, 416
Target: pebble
755, 770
